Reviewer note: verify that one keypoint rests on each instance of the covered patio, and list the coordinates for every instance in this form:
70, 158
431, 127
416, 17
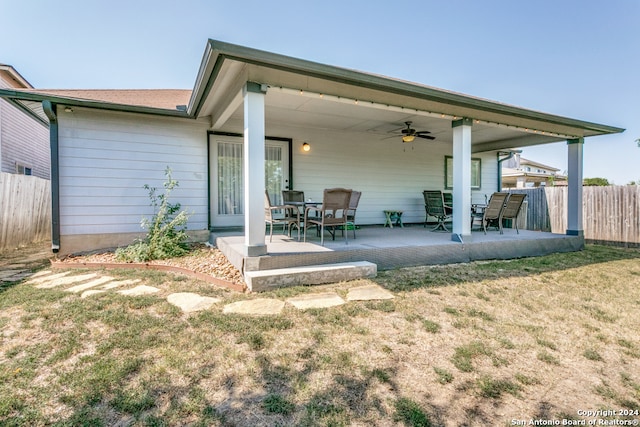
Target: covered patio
350, 125
396, 247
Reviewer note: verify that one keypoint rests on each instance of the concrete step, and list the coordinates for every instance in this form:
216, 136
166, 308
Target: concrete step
263, 280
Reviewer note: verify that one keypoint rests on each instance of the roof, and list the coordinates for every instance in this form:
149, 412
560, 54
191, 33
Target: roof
524, 161
307, 94
168, 99
15, 75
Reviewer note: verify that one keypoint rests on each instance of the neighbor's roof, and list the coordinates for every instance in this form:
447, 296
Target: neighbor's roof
524, 161
15, 75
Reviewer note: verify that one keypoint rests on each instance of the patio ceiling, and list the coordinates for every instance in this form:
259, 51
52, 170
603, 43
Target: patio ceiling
303, 95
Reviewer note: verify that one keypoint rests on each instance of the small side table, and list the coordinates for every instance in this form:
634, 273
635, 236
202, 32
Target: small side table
392, 216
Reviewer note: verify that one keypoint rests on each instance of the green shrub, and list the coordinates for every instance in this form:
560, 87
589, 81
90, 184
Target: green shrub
166, 231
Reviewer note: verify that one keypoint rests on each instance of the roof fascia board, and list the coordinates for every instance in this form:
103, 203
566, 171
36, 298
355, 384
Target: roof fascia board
220, 51
18, 95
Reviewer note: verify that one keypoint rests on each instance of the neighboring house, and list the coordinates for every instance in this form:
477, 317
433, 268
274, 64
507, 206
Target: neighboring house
24, 139
242, 130
518, 172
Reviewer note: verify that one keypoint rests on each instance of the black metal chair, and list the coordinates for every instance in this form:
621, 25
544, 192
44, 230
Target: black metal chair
434, 206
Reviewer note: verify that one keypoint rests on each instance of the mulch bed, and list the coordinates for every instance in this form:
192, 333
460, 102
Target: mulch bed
203, 262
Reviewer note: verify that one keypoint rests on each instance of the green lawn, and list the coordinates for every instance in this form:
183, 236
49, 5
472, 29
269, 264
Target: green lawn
486, 343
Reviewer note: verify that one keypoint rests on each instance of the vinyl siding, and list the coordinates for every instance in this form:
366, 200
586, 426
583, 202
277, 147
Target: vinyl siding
23, 140
390, 174
106, 158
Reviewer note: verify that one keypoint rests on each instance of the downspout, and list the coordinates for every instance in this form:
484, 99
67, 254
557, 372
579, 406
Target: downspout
50, 110
509, 155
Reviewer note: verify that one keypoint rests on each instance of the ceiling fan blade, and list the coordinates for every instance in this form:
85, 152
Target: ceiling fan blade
425, 136
423, 131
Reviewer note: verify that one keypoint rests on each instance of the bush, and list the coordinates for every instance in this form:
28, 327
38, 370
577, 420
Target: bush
166, 235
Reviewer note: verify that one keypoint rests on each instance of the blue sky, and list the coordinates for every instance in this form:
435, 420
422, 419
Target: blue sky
576, 58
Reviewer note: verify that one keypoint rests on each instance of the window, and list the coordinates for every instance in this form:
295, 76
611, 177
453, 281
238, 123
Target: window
22, 169
476, 172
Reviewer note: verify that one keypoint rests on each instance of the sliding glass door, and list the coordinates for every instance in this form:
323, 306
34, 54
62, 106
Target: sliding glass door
227, 178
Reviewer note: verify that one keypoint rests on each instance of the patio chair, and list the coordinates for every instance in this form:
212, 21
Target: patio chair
493, 211
291, 216
434, 206
448, 203
332, 213
351, 213
294, 197
512, 208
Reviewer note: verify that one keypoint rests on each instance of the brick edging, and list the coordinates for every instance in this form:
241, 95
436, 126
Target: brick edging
159, 267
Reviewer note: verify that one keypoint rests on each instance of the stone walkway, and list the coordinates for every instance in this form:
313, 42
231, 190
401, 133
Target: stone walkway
91, 284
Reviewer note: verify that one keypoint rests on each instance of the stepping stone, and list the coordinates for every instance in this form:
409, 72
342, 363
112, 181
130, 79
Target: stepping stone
92, 284
41, 273
139, 290
14, 275
189, 302
67, 280
320, 300
42, 278
92, 292
108, 286
368, 292
259, 306
118, 283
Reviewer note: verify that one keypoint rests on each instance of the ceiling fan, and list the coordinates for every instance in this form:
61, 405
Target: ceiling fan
409, 134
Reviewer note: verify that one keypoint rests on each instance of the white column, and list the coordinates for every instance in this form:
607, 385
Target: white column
461, 179
254, 184
574, 196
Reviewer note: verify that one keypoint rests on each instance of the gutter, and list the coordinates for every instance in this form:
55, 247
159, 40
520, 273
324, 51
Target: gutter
50, 110
509, 155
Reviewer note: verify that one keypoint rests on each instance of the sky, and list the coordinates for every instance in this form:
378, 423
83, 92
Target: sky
574, 58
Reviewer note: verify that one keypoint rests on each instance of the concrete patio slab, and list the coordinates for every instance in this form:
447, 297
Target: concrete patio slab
318, 300
139, 290
308, 275
259, 306
190, 302
368, 292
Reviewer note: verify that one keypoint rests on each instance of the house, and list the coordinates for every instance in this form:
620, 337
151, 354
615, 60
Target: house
242, 129
518, 172
24, 139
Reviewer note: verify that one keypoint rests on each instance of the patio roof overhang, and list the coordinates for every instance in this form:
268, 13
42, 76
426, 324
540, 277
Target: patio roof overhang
303, 94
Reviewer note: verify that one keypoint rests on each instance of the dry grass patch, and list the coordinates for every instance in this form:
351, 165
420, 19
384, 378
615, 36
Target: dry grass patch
474, 344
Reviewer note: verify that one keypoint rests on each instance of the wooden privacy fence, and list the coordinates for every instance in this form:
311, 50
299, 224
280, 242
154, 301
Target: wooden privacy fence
610, 214
25, 210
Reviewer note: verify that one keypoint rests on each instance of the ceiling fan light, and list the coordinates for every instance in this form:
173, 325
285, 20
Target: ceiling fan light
408, 138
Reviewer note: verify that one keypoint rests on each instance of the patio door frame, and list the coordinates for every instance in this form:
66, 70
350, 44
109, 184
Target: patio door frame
237, 221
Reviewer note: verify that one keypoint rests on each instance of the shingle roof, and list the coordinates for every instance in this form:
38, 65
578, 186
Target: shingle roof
167, 99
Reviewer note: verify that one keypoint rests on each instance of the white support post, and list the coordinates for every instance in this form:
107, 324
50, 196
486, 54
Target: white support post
574, 196
461, 179
254, 182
